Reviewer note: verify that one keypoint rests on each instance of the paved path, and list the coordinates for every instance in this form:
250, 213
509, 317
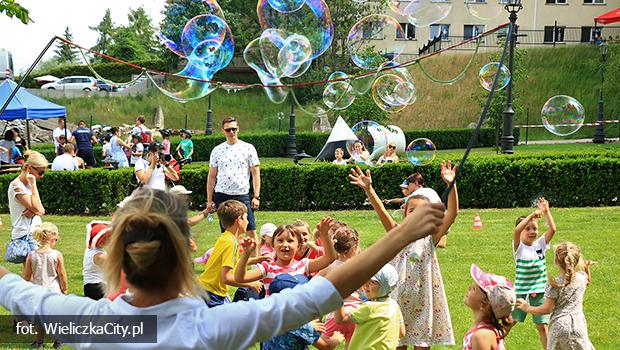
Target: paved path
551, 142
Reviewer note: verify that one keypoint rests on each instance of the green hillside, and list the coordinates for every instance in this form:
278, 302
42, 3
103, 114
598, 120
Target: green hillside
569, 70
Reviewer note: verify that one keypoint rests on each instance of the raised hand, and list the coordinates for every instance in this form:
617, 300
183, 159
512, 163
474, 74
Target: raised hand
424, 220
447, 171
543, 205
247, 245
358, 178
324, 225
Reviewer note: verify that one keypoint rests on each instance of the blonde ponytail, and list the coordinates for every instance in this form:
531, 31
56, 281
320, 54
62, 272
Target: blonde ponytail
34, 159
567, 256
43, 233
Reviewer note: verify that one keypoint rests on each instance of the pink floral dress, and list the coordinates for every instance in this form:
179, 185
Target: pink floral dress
421, 296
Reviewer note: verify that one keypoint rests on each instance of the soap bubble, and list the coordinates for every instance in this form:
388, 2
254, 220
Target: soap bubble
487, 75
286, 5
563, 115
362, 84
362, 46
296, 50
339, 94
393, 93
487, 10
203, 35
423, 13
312, 20
372, 138
421, 151
253, 57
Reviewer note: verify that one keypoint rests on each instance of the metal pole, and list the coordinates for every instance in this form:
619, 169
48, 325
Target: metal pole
209, 130
185, 122
91, 121
527, 124
599, 133
508, 139
291, 147
34, 64
28, 131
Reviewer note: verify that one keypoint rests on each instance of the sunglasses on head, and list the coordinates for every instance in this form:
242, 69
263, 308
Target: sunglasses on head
231, 129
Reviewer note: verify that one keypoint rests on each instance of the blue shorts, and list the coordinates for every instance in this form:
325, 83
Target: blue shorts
216, 300
219, 198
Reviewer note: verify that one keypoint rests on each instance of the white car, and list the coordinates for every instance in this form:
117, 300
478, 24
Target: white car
83, 83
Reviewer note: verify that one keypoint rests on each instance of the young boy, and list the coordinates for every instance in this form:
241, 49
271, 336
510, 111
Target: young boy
339, 153
185, 149
531, 267
379, 322
219, 273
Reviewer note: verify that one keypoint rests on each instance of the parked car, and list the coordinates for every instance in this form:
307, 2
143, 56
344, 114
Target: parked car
73, 83
103, 86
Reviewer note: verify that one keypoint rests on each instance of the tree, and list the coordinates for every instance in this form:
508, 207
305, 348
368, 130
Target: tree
105, 28
136, 41
66, 52
141, 24
12, 9
364, 108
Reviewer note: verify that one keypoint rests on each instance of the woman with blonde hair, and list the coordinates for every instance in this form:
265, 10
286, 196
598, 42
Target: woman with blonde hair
24, 202
150, 244
389, 156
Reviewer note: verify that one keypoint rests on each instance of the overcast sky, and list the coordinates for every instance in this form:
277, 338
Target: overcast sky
52, 16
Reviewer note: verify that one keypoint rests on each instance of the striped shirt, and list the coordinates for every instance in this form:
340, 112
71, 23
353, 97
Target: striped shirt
270, 270
531, 273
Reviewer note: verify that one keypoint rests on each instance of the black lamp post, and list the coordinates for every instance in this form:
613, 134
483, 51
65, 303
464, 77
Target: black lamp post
209, 130
280, 117
291, 146
599, 133
508, 140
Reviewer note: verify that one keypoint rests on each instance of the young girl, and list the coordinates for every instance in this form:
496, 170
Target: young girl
308, 249
420, 292
94, 257
286, 242
491, 300
347, 245
359, 154
266, 235
45, 267
165, 134
150, 243
564, 300
137, 150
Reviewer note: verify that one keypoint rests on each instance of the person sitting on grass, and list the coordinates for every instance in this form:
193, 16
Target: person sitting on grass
150, 244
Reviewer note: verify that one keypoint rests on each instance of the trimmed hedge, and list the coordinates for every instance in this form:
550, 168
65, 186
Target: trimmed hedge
498, 182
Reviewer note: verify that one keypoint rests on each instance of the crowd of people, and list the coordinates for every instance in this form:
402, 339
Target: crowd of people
295, 286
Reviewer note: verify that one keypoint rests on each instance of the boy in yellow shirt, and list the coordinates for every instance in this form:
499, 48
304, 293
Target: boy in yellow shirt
219, 270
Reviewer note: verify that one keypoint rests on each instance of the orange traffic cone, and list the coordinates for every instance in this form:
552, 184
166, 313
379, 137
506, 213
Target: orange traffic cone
477, 222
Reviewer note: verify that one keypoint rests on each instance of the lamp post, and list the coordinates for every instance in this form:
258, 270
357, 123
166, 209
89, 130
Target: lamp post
599, 133
291, 146
508, 140
280, 117
209, 130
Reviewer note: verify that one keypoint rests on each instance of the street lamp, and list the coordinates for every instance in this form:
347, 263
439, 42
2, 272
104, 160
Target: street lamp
599, 133
209, 130
508, 140
291, 145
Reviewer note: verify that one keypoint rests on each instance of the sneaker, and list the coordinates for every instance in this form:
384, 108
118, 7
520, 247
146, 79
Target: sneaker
57, 345
36, 344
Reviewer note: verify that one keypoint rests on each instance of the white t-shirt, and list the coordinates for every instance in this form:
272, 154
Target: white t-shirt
341, 162
21, 224
158, 178
65, 162
427, 192
138, 148
233, 163
57, 132
91, 273
108, 149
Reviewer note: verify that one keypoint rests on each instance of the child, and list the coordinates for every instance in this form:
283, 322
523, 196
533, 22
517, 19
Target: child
218, 273
286, 242
531, 266
62, 141
150, 243
379, 322
94, 257
308, 248
564, 300
404, 187
339, 153
266, 235
137, 150
165, 134
491, 300
309, 333
185, 149
346, 243
359, 154
45, 267
420, 292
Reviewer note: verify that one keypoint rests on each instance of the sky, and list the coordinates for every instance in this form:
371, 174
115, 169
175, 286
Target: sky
52, 16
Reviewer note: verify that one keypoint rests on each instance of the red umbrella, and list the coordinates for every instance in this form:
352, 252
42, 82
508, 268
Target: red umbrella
609, 17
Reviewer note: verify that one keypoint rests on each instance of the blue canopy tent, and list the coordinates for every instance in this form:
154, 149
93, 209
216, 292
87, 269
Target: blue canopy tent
25, 105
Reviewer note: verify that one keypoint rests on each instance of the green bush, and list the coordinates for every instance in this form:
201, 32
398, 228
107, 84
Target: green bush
486, 182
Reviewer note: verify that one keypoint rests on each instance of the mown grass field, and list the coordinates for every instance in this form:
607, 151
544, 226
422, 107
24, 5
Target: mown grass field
596, 230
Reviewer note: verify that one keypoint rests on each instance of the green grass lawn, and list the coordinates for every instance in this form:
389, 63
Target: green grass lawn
596, 230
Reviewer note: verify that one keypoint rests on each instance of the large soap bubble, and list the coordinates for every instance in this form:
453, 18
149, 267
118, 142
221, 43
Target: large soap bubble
362, 37
563, 115
286, 5
338, 94
487, 75
254, 58
203, 35
312, 20
421, 151
423, 13
486, 10
393, 93
372, 138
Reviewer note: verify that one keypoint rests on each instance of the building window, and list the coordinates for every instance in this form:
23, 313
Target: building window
409, 32
598, 2
556, 1
553, 32
440, 29
471, 30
